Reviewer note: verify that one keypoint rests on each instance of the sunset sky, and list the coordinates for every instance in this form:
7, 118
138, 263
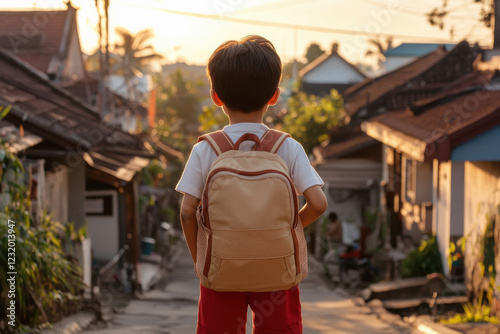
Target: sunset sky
192, 39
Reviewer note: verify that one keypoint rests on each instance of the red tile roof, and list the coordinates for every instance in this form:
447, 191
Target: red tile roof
371, 90
33, 36
424, 77
439, 124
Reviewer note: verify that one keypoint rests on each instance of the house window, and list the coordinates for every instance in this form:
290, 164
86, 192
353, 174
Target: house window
99, 205
410, 180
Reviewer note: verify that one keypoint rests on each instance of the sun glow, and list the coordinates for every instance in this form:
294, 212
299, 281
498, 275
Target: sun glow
190, 38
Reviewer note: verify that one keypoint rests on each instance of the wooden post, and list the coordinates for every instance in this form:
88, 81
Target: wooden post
132, 229
496, 27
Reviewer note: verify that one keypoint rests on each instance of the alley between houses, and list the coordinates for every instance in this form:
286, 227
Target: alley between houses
172, 307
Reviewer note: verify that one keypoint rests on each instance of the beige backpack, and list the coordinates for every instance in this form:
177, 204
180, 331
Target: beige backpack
250, 237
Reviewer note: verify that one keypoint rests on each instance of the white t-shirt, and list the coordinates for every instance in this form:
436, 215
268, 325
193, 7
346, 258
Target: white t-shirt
196, 171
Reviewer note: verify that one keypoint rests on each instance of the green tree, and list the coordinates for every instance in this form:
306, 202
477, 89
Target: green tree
310, 118
313, 51
378, 48
288, 69
46, 283
136, 53
212, 119
438, 15
178, 108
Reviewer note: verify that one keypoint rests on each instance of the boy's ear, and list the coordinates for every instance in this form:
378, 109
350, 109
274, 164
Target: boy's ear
275, 97
215, 98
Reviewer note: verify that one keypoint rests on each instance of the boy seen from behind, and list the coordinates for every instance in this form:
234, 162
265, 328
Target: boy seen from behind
244, 77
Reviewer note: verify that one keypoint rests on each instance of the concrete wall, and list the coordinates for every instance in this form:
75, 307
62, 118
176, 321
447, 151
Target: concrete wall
56, 190
76, 195
448, 204
482, 196
442, 202
457, 199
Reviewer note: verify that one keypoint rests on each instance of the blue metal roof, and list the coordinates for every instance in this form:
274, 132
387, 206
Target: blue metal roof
484, 147
415, 49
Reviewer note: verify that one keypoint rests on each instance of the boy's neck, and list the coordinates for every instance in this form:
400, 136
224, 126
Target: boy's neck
236, 117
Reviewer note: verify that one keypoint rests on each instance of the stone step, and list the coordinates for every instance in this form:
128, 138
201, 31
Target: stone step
425, 305
407, 288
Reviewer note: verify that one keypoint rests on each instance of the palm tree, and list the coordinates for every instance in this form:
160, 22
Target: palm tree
380, 48
135, 54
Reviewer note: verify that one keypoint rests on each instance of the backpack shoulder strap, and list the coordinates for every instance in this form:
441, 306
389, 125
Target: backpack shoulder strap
273, 139
219, 141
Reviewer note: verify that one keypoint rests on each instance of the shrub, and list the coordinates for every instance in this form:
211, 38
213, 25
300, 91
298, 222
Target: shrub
47, 284
425, 260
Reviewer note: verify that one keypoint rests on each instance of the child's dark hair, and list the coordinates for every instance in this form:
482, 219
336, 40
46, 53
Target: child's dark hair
245, 74
333, 216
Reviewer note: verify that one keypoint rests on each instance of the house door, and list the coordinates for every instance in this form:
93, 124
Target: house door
393, 199
101, 214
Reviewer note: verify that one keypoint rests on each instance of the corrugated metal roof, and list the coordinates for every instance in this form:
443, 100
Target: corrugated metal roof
338, 149
16, 139
350, 173
416, 49
52, 113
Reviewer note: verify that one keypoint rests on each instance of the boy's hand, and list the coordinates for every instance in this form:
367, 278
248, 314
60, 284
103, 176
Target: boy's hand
189, 223
315, 206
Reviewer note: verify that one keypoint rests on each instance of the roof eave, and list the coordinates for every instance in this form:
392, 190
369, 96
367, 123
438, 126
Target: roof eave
400, 141
313, 64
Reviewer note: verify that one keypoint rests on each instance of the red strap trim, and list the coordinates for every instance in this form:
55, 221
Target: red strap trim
219, 141
273, 139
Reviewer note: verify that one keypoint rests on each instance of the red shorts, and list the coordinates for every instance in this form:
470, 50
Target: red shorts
276, 312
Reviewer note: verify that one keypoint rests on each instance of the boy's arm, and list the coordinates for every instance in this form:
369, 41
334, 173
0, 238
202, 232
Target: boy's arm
316, 204
189, 223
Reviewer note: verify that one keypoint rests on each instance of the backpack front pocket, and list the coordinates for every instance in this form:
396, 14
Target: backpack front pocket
252, 260
252, 275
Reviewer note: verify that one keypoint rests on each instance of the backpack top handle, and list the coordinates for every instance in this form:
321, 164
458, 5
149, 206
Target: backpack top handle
220, 142
250, 137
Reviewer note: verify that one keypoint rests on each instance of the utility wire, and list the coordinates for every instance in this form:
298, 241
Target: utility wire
416, 12
287, 25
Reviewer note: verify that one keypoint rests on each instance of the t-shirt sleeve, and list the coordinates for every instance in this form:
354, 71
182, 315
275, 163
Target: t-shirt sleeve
302, 173
191, 181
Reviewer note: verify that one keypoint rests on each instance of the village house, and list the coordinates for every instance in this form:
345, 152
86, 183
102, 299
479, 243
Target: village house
84, 165
85, 171
442, 161
329, 71
48, 40
353, 163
